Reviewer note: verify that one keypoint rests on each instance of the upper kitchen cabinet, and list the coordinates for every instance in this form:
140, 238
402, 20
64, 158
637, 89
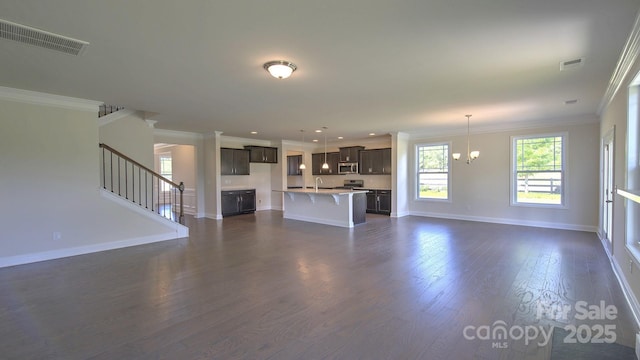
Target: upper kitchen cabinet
317, 160
350, 154
293, 165
234, 161
263, 154
375, 162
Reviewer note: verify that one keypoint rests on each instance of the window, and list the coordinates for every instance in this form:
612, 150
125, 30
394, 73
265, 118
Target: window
165, 169
631, 191
433, 171
538, 170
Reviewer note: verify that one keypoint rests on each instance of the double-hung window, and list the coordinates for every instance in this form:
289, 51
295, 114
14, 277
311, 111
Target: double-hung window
538, 170
433, 171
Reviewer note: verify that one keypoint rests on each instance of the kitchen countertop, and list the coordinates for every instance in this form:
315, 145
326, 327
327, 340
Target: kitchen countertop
324, 191
233, 188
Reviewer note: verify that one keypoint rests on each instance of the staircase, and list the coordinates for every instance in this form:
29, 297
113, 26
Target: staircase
140, 185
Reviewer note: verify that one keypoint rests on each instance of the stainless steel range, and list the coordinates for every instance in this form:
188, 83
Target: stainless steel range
351, 184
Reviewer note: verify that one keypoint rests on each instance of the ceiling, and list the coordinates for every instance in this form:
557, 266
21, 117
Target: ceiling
363, 65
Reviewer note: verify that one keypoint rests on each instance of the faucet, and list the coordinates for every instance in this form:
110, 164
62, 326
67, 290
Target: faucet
318, 178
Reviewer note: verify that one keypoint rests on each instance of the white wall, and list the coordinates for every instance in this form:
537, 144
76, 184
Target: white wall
481, 190
615, 115
129, 134
50, 186
400, 184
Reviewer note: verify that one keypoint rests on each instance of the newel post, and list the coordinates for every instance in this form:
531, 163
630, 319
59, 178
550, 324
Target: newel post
181, 188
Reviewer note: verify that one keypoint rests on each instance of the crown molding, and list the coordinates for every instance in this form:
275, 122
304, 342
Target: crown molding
177, 134
625, 63
39, 98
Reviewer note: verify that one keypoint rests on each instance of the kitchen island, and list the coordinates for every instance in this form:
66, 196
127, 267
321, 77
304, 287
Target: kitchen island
337, 207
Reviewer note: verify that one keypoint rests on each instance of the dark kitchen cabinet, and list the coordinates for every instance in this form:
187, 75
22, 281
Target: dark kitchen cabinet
350, 154
333, 158
375, 162
293, 165
379, 202
372, 201
384, 202
262, 154
316, 163
234, 161
235, 202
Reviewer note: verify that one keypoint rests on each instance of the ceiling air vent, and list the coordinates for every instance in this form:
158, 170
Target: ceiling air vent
571, 64
45, 39
571, 102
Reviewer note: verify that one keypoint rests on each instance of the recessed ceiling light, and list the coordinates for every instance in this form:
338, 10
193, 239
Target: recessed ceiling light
340, 138
315, 140
254, 132
372, 134
318, 131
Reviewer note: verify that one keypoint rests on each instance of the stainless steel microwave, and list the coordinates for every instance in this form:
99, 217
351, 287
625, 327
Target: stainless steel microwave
347, 168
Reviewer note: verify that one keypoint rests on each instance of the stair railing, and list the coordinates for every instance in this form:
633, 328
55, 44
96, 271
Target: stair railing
137, 183
104, 109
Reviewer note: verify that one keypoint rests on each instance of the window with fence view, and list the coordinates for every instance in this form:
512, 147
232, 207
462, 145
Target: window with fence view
538, 170
433, 171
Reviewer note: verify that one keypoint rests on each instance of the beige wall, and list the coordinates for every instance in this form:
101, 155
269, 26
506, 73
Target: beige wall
481, 190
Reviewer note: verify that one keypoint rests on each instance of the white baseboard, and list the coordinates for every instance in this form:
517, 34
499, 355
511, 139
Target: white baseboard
213, 216
626, 289
400, 214
81, 250
506, 221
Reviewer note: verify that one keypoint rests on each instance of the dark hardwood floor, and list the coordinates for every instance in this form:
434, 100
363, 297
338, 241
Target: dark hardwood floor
260, 287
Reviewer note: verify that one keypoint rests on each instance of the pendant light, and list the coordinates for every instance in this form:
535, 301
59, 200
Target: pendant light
302, 165
471, 155
325, 165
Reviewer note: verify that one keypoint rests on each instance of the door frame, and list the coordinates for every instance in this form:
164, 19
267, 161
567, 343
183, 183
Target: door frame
607, 172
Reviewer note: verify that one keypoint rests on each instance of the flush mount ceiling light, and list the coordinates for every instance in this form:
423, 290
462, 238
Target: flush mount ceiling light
471, 155
280, 69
